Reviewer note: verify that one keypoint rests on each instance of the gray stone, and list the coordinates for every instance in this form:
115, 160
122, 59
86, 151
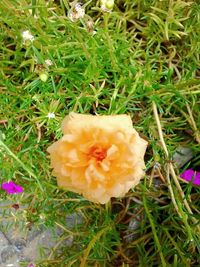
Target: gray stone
73, 220
7, 253
20, 244
182, 155
3, 241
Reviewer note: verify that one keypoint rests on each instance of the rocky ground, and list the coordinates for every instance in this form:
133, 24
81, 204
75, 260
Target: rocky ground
18, 245
21, 247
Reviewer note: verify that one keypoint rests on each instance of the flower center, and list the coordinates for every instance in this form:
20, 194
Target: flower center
98, 153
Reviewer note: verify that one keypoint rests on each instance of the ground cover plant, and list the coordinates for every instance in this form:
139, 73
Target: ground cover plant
136, 57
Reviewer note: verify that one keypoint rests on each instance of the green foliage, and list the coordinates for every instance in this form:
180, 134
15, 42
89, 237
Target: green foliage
141, 52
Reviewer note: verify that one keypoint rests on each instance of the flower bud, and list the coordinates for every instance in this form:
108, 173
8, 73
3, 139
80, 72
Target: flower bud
107, 5
43, 76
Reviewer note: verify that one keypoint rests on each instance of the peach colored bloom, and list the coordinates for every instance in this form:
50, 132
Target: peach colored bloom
99, 156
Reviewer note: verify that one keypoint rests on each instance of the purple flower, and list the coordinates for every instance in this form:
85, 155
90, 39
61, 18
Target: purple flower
12, 188
191, 176
30, 265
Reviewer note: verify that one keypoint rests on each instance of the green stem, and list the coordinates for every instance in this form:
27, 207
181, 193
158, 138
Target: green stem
2, 144
154, 232
186, 261
109, 41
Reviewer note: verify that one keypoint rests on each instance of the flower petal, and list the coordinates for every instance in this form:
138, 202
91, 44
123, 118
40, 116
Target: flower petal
75, 121
191, 176
99, 156
12, 188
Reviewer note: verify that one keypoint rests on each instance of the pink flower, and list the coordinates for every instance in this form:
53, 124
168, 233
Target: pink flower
30, 265
191, 176
12, 188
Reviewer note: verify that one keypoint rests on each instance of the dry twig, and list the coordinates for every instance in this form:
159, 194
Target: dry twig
171, 169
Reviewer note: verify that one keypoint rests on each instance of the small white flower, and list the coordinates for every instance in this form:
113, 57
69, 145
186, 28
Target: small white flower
80, 11
27, 36
48, 62
77, 12
51, 115
156, 165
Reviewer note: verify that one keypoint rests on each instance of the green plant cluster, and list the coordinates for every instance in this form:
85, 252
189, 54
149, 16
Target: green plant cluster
143, 53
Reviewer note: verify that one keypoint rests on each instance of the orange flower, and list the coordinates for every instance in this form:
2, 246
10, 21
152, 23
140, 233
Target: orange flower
99, 156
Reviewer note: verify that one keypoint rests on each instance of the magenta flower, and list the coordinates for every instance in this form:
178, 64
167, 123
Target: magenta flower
191, 176
12, 188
